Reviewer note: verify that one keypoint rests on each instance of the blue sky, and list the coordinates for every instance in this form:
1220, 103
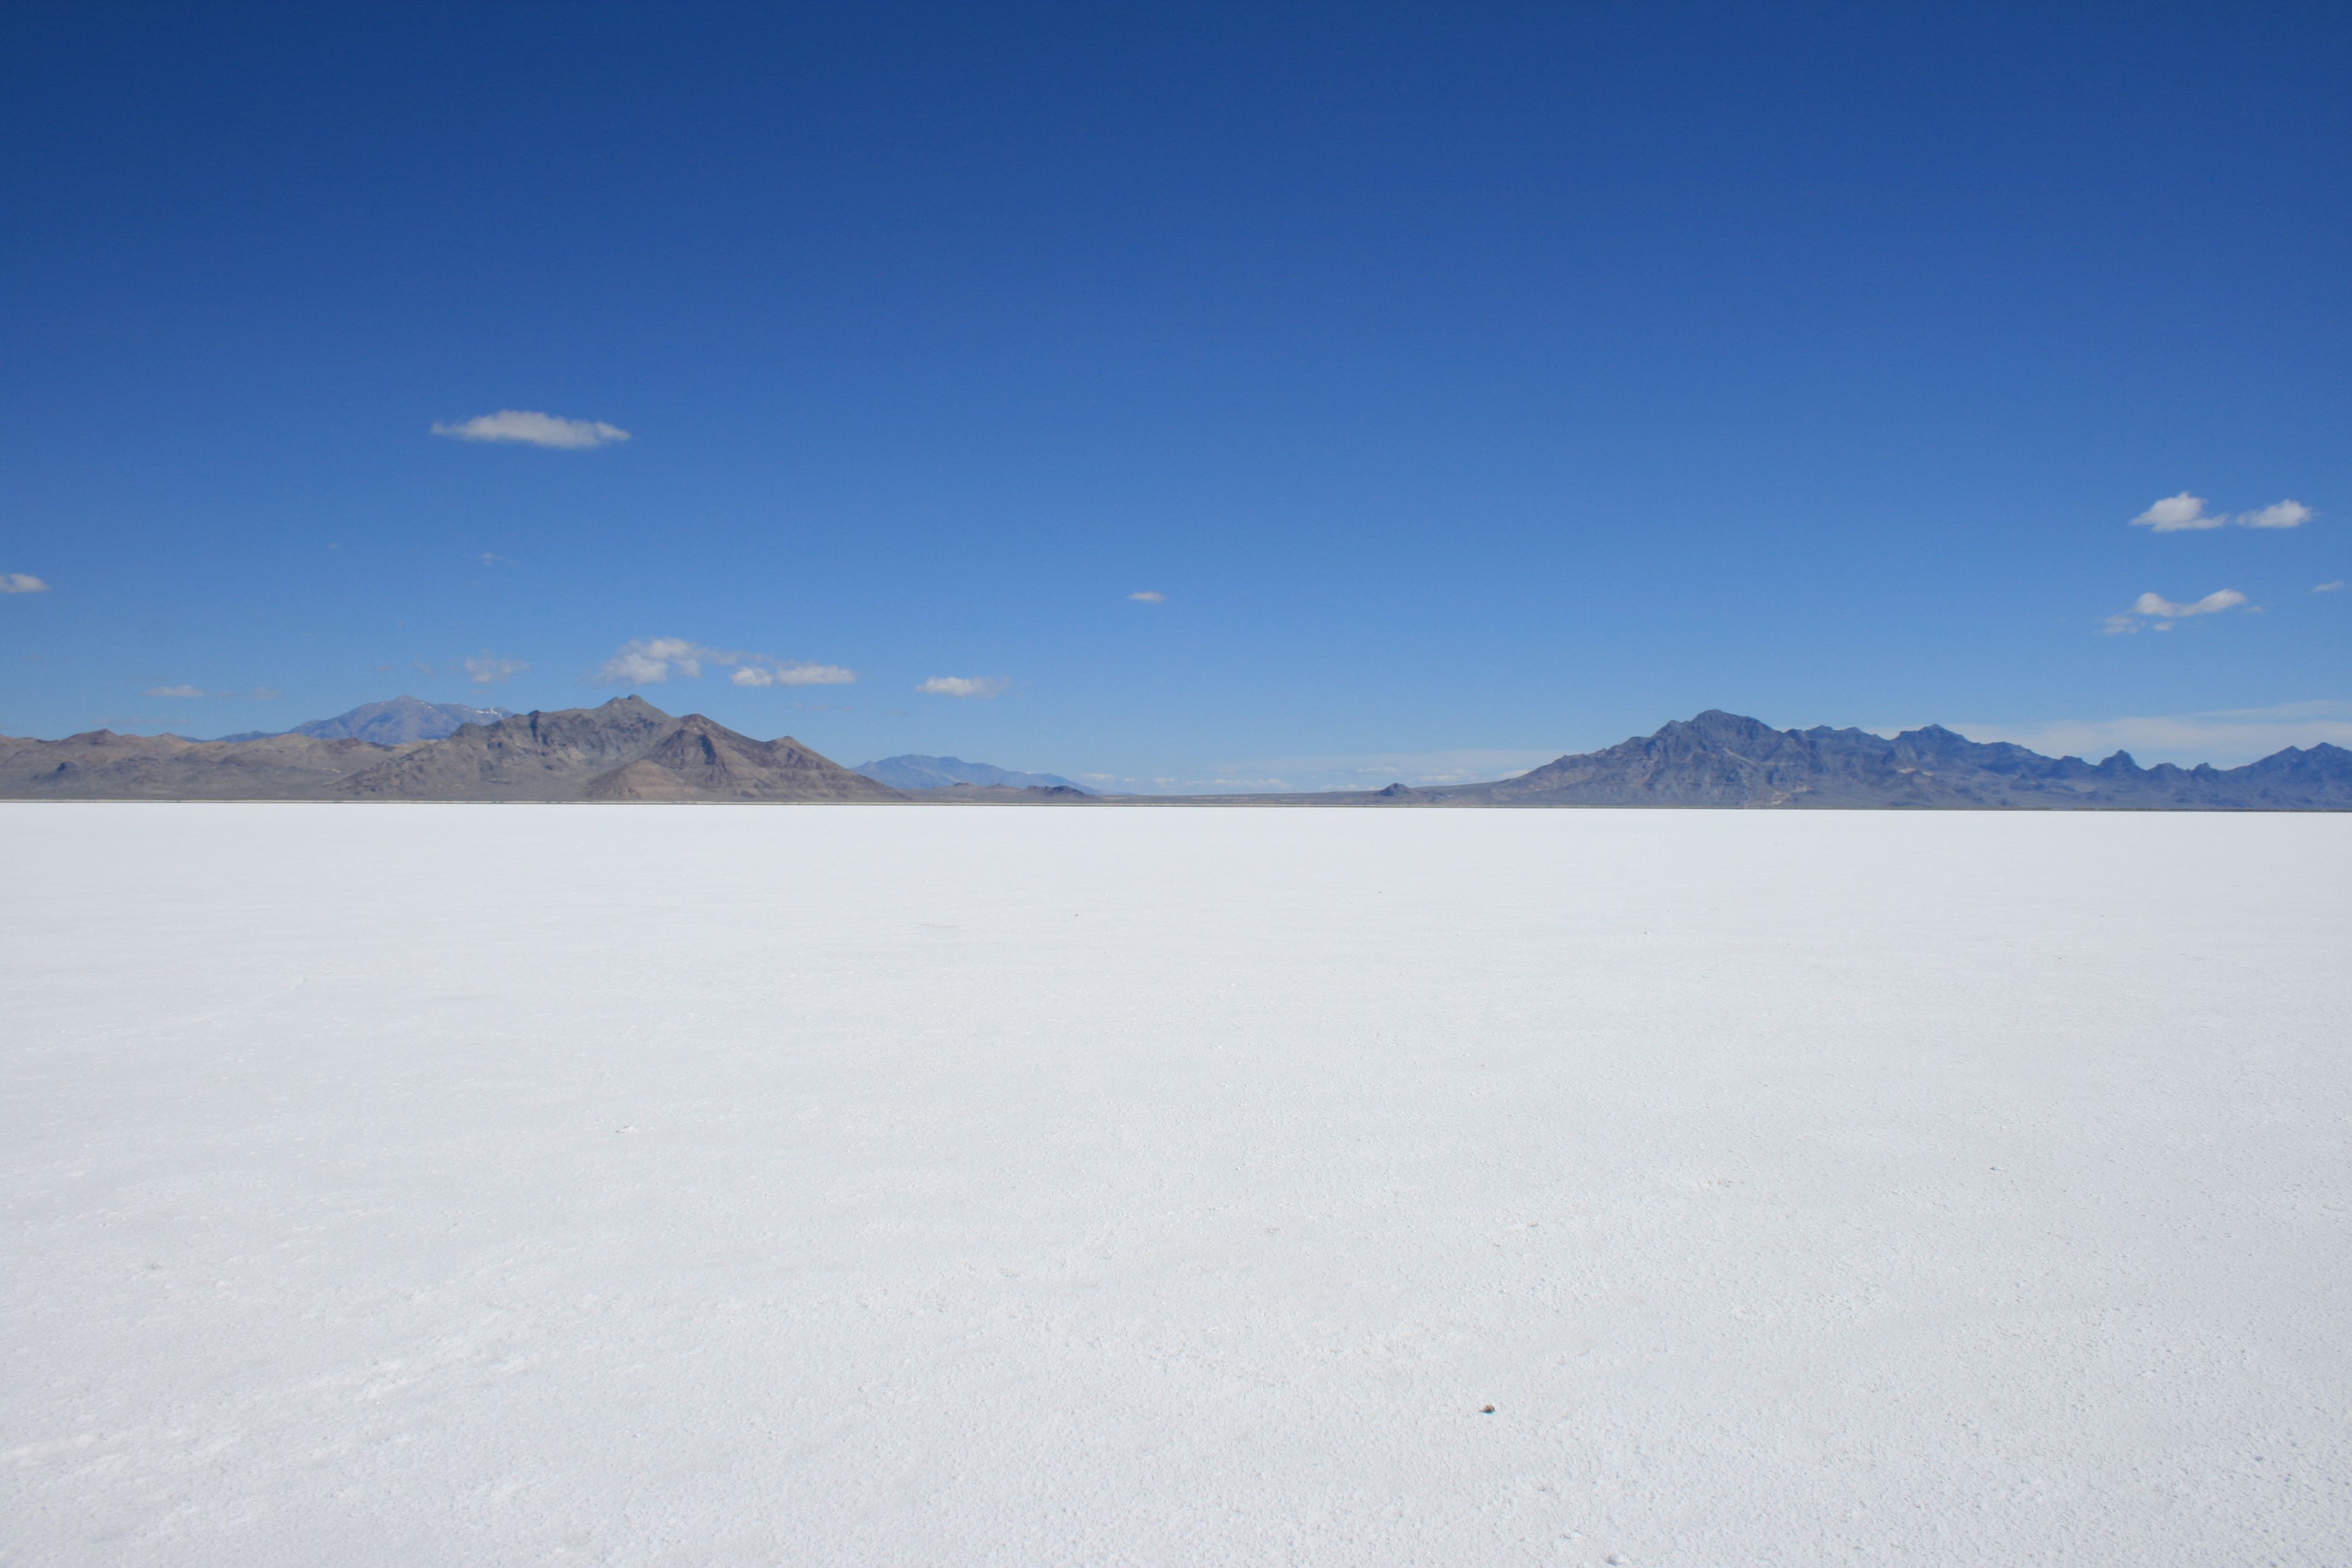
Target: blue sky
1472, 383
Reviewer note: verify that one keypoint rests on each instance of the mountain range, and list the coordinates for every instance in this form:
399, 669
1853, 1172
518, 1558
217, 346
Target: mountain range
1721, 758
628, 749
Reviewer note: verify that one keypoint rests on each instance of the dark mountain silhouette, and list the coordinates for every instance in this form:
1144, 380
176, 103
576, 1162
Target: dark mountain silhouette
393, 722
911, 771
1723, 760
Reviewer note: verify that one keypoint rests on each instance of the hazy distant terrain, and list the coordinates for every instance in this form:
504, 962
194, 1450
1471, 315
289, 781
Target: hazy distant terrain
936, 773
390, 723
1162, 1187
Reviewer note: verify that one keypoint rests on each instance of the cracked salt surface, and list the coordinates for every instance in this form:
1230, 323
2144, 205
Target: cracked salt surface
1954, 1188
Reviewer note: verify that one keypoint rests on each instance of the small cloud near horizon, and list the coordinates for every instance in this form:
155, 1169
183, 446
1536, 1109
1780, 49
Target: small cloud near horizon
533, 429
2164, 613
2327, 587
1149, 597
21, 583
963, 685
2184, 512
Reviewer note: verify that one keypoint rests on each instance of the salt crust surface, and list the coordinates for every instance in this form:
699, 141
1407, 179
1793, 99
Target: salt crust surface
743, 1185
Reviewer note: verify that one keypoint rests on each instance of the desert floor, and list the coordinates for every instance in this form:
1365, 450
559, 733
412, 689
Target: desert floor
433, 1184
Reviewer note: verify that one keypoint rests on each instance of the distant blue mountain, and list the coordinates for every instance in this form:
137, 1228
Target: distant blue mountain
937, 772
392, 723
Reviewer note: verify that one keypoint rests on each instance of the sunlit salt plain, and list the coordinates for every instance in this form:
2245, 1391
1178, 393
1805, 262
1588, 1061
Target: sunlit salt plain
752, 1184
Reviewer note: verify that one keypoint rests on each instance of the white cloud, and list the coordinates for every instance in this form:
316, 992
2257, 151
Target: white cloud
2174, 513
2165, 612
2327, 587
2211, 603
2177, 514
793, 674
961, 686
19, 583
650, 662
534, 429
2225, 737
2281, 514
484, 670
1150, 597
173, 691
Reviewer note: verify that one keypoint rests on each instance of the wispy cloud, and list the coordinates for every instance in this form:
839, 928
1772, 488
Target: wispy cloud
2328, 588
965, 686
774, 674
2280, 515
650, 662
534, 430
20, 582
259, 694
2211, 603
484, 670
2184, 512
2224, 737
2163, 613
1149, 597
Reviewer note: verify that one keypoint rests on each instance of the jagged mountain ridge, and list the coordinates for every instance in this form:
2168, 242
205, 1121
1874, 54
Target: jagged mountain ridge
1720, 759
626, 750
704, 759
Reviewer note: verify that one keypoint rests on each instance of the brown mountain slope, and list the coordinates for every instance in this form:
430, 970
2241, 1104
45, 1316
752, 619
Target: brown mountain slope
102, 765
704, 759
625, 750
531, 756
